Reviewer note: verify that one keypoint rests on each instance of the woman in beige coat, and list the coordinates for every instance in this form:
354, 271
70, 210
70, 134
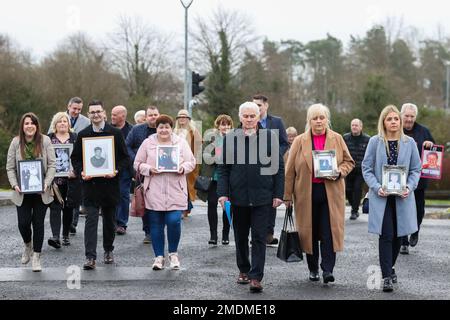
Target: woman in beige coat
186, 129
319, 202
31, 207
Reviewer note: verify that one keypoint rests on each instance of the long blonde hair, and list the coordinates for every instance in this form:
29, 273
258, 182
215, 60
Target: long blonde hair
382, 129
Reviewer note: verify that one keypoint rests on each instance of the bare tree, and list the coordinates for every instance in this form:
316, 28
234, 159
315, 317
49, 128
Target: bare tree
207, 37
78, 68
140, 54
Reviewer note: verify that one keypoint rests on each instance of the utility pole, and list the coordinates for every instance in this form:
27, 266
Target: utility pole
186, 4
447, 85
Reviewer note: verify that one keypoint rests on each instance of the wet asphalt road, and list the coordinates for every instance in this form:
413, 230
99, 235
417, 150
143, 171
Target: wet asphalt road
209, 273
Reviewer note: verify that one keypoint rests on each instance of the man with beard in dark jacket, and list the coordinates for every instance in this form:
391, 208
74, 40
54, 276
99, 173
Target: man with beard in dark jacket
100, 192
251, 177
356, 142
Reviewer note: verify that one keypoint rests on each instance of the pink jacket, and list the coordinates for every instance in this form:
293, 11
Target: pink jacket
165, 191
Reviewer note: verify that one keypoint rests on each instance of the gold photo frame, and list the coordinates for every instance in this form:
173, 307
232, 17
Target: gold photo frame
99, 156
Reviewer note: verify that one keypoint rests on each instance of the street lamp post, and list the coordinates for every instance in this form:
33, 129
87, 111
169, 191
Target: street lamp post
186, 4
447, 85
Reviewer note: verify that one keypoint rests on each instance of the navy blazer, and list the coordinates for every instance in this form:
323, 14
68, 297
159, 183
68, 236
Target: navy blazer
273, 122
136, 137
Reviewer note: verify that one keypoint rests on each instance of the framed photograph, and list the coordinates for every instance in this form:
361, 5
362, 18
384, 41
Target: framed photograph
31, 176
325, 164
167, 158
432, 162
63, 164
98, 156
394, 179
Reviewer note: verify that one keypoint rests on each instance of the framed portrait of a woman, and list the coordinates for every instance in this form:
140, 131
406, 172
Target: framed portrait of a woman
394, 180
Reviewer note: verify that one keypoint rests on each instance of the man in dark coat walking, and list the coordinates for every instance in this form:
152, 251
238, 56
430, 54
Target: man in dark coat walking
251, 176
100, 192
356, 142
275, 124
423, 138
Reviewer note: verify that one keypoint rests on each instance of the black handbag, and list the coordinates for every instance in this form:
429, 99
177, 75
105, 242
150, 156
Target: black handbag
203, 183
365, 204
289, 247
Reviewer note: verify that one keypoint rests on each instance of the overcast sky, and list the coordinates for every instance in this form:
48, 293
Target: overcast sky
39, 25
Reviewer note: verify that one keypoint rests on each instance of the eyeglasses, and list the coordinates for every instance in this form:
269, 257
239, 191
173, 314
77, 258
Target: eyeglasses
92, 113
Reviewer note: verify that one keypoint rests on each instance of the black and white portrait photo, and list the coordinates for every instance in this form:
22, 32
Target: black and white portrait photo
394, 179
31, 176
63, 165
98, 156
98, 160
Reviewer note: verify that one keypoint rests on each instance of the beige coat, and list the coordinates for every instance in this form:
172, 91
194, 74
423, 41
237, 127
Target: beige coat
194, 139
48, 160
298, 187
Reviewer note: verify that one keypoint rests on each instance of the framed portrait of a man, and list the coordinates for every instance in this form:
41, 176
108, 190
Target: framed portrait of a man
31, 176
167, 158
432, 162
325, 163
63, 164
98, 156
394, 179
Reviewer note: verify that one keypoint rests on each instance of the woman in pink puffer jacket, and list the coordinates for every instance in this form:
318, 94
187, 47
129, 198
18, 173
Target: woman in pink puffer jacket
165, 192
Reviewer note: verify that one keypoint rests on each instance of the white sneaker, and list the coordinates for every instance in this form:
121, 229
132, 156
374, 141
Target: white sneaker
174, 261
159, 263
27, 253
36, 262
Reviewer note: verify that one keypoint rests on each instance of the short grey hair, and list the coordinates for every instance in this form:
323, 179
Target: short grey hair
138, 114
122, 109
73, 100
249, 105
409, 106
359, 120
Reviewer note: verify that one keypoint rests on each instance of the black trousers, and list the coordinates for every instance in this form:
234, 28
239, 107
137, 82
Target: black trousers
388, 243
353, 188
419, 195
31, 216
256, 219
55, 215
272, 218
213, 200
91, 227
321, 230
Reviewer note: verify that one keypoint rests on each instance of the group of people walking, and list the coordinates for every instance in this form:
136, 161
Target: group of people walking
255, 167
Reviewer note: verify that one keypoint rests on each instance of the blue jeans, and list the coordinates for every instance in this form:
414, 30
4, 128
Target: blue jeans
123, 208
158, 221
146, 222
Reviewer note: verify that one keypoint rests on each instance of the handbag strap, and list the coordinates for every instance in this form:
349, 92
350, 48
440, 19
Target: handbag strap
138, 176
288, 219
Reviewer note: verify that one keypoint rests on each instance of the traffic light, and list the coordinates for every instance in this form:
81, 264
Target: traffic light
196, 87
